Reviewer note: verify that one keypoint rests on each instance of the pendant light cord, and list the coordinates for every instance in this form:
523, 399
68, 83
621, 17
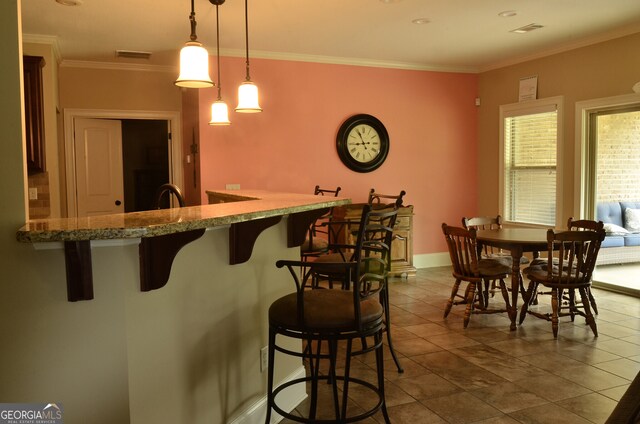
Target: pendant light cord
218, 49
192, 19
246, 34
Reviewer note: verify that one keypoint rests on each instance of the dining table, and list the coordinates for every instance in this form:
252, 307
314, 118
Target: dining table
517, 241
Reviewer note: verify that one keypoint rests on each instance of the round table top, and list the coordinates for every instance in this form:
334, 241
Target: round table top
514, 235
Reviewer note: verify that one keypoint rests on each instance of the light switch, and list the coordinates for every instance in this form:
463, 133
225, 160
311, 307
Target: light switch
33, 193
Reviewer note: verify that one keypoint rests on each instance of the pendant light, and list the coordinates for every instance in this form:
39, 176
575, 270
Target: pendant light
248, 91
219, 109
194, 60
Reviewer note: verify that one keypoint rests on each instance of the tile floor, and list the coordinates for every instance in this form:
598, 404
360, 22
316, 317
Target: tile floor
488, 374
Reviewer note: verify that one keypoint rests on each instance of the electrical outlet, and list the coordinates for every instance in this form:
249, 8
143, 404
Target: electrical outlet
232, 186
264, 359
33, 193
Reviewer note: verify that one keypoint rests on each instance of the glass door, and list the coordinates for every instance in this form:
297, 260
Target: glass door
613, 194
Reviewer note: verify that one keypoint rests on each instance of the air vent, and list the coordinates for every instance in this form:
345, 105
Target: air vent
132, 54
527, 28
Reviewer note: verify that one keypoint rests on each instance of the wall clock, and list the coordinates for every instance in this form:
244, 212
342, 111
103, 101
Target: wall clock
362, 143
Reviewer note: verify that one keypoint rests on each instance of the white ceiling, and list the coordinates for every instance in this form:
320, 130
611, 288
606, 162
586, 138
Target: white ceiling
462, 35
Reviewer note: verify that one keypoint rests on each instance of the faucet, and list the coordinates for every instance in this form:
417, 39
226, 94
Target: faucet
171, 188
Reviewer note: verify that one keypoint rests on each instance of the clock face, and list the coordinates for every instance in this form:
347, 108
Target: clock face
362, 143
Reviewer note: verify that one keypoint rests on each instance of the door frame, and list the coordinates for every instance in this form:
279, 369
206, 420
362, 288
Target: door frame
583, 110
176, 174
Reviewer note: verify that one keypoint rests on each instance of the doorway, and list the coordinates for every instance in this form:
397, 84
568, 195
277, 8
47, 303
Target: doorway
610, 170
151, 155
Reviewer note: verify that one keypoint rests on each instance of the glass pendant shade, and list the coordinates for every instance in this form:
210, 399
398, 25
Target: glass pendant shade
219, 113
248, 98
194, 66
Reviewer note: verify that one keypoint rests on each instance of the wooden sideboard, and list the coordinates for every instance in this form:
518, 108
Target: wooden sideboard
402, 246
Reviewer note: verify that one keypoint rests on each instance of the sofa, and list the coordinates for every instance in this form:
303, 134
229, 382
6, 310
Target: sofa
622, 225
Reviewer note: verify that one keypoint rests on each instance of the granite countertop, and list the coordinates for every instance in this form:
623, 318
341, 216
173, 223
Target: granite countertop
255, 204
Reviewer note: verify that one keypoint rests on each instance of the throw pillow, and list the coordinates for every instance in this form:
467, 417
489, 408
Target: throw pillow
632, 220
615, 230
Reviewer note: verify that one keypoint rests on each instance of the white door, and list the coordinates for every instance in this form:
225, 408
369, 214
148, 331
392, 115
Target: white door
98, 153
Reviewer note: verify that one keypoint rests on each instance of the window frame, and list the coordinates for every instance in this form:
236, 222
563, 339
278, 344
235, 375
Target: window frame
528, 108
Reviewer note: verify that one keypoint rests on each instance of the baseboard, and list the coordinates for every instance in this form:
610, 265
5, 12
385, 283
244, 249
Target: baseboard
431, 260
288, 399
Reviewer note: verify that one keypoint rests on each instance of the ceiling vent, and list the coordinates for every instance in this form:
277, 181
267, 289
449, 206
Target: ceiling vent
132, 54
527, 28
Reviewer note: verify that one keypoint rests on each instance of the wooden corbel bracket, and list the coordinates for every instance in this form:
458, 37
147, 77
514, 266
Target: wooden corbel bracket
157, 255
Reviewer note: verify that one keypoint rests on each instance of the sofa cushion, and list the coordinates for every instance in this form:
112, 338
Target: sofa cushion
632, 240
610, 212
613, 241
615, 230
632, 220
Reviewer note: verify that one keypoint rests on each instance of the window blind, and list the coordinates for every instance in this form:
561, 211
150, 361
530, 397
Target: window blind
530, 160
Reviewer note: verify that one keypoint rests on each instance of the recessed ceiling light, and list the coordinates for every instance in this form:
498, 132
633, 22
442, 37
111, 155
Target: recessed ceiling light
527, 28
507, 13
421, 21
69, 2
390, 1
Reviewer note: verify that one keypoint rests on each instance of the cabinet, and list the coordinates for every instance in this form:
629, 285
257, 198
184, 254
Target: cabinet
402, 245
33, 113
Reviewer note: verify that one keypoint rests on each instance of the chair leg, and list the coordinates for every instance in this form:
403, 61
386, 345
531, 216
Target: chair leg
345, 387
454, 292
531, 291
380, 372
587, 310
484, 294
333, 354
313, 406
471, 294
554, 311
384, 297
505, 294
272, 353
572, 303
592, 301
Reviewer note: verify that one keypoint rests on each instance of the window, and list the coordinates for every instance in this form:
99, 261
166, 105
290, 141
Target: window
530, 178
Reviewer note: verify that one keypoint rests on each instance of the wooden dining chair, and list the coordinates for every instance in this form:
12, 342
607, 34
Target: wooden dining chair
492, 253
569, 298
467, 267
570, 269
584, 225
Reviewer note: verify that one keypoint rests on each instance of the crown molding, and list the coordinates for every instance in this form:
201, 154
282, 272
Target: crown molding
117, 66
334, 60
50, 40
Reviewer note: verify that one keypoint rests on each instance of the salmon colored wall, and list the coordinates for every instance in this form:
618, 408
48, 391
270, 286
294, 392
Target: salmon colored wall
430, 116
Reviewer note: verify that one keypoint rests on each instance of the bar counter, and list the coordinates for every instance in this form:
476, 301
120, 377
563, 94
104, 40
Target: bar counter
111, 321
248, 205
164, 232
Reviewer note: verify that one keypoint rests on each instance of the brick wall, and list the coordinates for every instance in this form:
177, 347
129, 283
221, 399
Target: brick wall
618, 165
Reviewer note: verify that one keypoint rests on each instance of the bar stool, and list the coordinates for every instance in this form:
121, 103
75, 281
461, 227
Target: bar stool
340, 251
329, 317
